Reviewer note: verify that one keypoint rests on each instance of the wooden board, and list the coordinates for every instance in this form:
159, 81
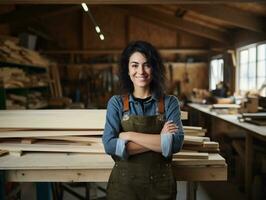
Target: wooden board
210, 144
191, 155
182, 173
194, 133
200, 148
195, 128
23, 134
53, 119
89, 119
75, 139
16, 147
43, 160
195, 140
214, 159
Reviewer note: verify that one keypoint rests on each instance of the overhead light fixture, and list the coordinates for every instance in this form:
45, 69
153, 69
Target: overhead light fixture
97, 28
101, 36
85, 7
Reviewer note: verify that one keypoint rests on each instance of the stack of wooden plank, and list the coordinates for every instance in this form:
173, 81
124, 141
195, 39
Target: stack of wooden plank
10, 52
14, 77
15, 101
72, 131
195, 140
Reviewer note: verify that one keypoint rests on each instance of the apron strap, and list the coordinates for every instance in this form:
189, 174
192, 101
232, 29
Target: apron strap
126, 104
161, 105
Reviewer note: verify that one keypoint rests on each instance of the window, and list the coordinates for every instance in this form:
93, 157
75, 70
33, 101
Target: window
216, 72
252, 67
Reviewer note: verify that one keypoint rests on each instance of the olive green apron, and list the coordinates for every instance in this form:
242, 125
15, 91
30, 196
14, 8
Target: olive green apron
145, 176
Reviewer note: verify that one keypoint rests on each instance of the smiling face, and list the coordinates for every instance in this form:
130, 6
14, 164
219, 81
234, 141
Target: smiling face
139, 71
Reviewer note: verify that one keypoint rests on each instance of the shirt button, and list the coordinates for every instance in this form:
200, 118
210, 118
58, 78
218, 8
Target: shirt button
151, 177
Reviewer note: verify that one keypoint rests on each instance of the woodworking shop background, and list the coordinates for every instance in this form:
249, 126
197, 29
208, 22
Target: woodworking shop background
52, 57
87, 65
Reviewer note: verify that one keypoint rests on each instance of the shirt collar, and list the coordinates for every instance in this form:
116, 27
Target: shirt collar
153, 97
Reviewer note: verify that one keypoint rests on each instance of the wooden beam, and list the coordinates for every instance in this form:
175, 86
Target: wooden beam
229, 15
119, 51
174, 23
99, 2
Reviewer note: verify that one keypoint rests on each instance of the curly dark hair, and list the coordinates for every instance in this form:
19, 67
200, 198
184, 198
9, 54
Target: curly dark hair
153, 57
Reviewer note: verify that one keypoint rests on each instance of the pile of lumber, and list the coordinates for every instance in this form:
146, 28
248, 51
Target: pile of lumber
14, 101
195, 140
10, 52
37, 100
13, 77
33, 100
72, 131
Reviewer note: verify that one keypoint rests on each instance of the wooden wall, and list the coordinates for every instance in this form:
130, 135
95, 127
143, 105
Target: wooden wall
197, 76
243, 38
76, 31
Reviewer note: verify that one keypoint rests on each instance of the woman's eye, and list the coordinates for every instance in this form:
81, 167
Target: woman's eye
147, 66
134, 66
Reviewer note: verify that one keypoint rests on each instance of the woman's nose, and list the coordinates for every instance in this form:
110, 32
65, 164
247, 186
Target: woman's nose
140, 69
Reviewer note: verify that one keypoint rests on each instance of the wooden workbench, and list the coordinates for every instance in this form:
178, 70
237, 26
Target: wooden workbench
253, 131
78, 167
65, 167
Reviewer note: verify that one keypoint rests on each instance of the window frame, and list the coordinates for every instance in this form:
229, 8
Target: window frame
217, 57
247, 47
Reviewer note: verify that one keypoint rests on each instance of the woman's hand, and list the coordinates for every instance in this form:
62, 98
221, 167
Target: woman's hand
169, 127
125, 135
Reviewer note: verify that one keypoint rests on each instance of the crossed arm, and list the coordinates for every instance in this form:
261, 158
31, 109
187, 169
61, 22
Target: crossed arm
142, 142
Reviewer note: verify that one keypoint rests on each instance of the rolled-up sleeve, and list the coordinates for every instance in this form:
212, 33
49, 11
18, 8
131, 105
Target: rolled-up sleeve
173, 113
113, 145
166, 144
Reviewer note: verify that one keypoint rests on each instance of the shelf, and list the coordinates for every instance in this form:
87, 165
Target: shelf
7, 64
27, 88
42, 76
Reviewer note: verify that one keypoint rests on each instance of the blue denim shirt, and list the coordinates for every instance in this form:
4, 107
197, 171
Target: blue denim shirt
170, 143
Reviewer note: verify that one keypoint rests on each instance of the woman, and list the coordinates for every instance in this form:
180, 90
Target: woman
143, 129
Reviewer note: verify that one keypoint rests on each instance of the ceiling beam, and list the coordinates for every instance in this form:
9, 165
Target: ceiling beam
230, 16
174, 23
119, 51
99, 2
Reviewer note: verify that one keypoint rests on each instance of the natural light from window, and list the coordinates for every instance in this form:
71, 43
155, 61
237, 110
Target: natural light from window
216, 72
252, 68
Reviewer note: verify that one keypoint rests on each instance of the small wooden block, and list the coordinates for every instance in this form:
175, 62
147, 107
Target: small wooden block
210, 144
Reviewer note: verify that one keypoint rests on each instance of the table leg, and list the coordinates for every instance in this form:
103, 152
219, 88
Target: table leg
192, 188
44, 191
248, 164
2, 185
